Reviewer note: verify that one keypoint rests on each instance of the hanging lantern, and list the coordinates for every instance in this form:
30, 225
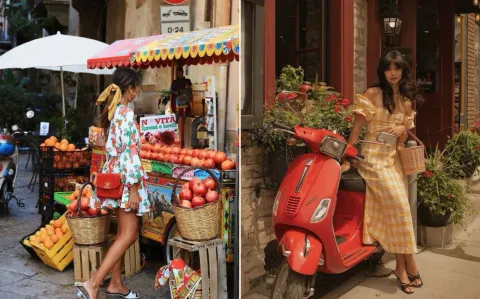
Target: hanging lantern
388, 11
475, 2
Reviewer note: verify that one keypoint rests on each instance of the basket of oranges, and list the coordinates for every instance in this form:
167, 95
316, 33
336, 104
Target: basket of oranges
62, 155
89, 225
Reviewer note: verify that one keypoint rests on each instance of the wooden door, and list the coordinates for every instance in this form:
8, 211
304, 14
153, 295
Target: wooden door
435, 70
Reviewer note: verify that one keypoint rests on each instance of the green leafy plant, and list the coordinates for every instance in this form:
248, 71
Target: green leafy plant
325, 109
462, 155
439, 192
289, 79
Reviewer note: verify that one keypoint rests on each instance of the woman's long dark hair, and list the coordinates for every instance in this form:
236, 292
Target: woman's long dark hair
123, 78
407, 87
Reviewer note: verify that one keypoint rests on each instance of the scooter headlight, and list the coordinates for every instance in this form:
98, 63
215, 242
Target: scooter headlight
333, 147
276, 202
320, 211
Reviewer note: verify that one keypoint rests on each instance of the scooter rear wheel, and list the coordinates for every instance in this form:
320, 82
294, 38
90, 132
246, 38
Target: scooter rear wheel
290, 284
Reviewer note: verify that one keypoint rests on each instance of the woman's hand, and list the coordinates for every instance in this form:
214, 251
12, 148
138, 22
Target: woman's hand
397, 131
134, 200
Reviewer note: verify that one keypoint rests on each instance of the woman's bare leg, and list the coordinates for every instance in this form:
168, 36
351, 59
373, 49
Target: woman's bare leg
400, 270
411, 268
122, 242
116, 284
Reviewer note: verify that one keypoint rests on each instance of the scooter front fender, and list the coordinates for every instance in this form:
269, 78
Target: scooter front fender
302, 250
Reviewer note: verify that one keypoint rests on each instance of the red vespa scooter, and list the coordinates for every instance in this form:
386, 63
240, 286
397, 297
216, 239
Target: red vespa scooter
318, 213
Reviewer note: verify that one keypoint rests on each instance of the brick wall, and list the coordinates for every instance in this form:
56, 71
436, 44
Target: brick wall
256, 213
471, 70
360, 46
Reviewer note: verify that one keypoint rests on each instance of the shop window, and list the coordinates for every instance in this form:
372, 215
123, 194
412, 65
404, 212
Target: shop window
252, 62
301, 36
428, 46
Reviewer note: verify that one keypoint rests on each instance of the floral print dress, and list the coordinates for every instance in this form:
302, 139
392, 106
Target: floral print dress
122, 148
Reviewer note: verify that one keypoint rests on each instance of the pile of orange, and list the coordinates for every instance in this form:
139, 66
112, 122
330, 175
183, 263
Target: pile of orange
63, 145
49, 235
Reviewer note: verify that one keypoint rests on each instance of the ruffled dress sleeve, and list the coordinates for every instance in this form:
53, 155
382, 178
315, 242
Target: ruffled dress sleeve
409, 120
363, 106
130, 139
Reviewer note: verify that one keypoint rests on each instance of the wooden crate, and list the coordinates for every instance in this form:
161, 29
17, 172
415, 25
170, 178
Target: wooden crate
60, 255
87, 260
212, 265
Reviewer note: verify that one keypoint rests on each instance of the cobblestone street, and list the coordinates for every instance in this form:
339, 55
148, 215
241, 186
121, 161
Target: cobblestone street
23, 277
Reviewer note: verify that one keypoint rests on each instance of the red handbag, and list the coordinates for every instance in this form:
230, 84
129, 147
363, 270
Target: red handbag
109, 185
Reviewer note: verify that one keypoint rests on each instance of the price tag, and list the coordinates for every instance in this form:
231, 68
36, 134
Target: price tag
175, 27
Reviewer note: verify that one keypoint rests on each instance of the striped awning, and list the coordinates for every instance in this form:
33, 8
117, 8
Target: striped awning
206, 46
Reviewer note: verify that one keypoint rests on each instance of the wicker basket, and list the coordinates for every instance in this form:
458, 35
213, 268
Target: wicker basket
89, 230
413, 158
200, 223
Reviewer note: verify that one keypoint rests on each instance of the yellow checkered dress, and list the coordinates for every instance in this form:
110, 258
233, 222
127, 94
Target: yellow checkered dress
387, 212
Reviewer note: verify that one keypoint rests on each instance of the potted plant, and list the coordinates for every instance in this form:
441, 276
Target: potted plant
442, 200
324, 108
462, 155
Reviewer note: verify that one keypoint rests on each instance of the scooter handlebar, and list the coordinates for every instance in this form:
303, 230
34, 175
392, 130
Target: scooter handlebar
284, 127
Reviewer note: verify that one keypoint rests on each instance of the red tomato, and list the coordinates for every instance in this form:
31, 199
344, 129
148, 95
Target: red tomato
211, 196
228, 165
219, 157
198, 201
193, 182
199, 188
209, 163
209, 183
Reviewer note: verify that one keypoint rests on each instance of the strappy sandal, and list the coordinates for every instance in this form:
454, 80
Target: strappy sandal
404, 286
129, 295
415, 277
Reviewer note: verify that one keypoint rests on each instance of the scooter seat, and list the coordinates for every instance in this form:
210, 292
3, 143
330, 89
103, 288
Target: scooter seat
352, 181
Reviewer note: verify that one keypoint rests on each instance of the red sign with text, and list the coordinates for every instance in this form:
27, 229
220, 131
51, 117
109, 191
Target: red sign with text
175, 2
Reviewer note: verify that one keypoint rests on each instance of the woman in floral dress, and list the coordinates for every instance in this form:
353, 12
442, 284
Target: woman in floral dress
122, 148
388, 108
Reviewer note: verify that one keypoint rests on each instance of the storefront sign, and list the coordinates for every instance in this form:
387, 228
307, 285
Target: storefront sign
175, 2
44, 128
175, 27
174, 19
159, 129
175, 13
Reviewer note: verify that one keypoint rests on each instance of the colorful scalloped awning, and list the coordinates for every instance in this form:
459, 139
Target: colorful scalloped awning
206, 46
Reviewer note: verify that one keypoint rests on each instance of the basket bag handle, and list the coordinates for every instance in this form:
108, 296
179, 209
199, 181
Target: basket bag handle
414, 137
79, 203
179, 177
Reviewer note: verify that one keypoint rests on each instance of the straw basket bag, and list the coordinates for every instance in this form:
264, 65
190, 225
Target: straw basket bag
413, 158
89, 230
200, 223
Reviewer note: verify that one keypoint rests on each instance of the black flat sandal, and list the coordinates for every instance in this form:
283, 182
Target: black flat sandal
404, 286
415, 277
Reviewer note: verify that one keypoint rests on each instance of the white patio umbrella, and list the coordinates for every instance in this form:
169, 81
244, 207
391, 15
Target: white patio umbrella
57, 52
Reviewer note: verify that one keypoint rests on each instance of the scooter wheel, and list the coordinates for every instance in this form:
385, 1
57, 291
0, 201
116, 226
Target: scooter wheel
290, 284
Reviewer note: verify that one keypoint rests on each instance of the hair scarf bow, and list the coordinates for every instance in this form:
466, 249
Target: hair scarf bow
115, 101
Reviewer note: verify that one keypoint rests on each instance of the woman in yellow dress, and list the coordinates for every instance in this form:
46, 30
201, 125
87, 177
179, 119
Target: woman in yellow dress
387, 107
